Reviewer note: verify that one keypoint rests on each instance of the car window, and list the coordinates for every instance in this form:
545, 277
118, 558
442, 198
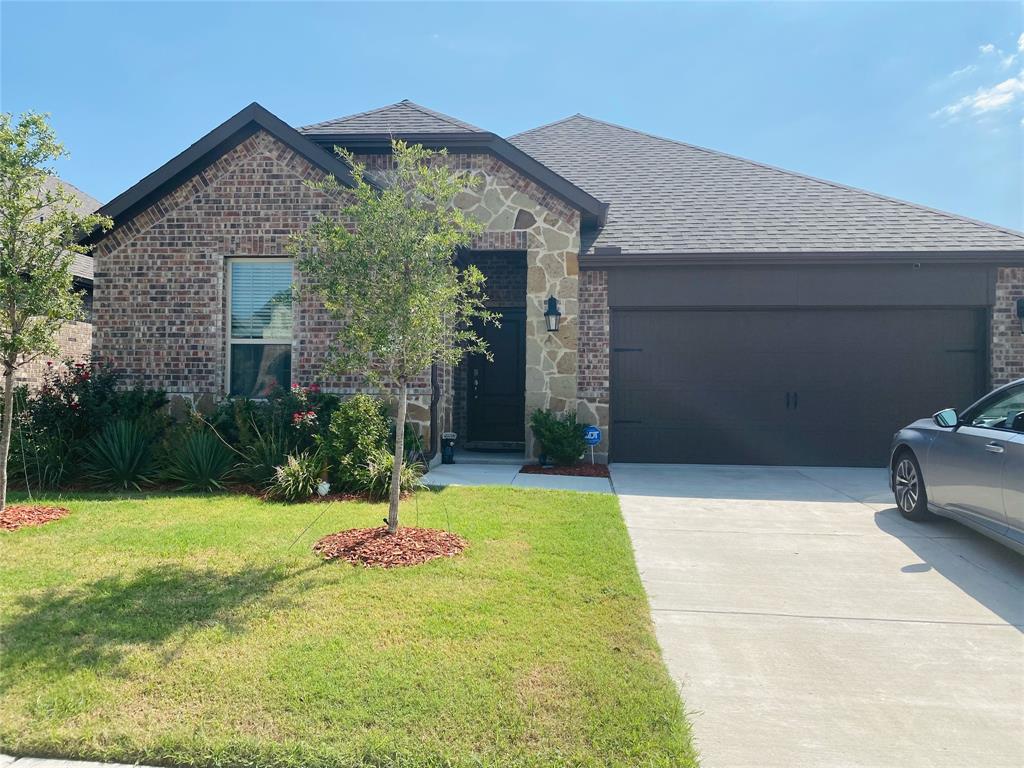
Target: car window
1001, 412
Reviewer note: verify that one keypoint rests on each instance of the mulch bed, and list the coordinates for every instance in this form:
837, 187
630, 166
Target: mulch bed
577, 470
374, 547
17, 516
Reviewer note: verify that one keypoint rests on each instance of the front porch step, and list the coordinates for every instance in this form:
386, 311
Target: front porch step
508, 458
497, 446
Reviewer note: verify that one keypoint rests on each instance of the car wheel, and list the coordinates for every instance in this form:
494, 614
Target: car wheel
908, 487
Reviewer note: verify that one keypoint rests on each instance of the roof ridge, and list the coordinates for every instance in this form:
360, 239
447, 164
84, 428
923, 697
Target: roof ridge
335, 120
547, 125
461, 125
798, 174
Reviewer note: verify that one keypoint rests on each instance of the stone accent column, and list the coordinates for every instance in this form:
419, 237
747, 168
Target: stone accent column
551, 358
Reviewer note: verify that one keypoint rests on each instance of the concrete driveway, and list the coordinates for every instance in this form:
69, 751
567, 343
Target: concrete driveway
808, 624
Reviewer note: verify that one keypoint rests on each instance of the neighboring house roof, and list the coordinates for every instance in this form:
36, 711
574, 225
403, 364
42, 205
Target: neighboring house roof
213, 145
670, 198
403, 117
81, 266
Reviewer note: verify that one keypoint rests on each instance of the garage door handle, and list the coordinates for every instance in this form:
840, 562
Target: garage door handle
994, 448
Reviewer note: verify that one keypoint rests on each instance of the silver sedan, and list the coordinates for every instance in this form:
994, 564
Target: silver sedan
967, 466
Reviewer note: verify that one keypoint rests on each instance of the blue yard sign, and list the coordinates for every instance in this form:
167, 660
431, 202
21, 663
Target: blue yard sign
592, 435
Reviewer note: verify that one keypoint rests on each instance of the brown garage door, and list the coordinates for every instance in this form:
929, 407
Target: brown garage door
805, 387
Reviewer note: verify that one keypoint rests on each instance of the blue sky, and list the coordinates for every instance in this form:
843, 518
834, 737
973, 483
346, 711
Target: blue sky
920, 101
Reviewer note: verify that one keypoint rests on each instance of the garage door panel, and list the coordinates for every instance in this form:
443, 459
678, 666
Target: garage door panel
784, 386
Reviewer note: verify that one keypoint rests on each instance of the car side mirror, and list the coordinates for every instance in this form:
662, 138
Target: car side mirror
1017, 423
947, 417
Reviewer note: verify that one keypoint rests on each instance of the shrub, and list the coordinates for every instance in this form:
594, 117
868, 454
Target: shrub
560, 438
39, 459
200, 462
357, 429
119, 456
76, 402
295, 418
377, 474
298, 478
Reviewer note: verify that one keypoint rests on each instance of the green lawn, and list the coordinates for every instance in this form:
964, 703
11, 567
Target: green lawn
183, 630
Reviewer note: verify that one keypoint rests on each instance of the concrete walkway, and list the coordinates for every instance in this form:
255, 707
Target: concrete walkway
509, 474
808, 624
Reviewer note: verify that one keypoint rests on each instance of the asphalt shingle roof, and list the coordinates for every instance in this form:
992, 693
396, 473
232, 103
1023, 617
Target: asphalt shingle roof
669, 197
403, 117
82, 264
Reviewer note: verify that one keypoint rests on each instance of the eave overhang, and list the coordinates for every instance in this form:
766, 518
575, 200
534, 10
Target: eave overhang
610, 257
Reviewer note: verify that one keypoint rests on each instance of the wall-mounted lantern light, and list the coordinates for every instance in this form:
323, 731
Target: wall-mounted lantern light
552, 316
1020, 313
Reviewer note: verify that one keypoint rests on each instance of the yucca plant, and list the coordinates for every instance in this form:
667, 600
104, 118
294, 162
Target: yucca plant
262, 458
119, 457
201, 462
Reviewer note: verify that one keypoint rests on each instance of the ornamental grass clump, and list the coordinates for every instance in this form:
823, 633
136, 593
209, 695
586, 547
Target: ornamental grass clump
298, 478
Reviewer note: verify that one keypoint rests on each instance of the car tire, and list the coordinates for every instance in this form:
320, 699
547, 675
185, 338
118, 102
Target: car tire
908, 488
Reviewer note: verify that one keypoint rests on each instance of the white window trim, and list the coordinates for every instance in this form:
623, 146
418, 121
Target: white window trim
229, 342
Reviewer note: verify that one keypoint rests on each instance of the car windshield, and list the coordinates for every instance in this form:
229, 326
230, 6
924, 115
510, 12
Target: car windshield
1000, 412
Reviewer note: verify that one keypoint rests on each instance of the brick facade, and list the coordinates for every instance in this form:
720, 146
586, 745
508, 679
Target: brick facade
160, 293
75, 340
595, 339
1007, 335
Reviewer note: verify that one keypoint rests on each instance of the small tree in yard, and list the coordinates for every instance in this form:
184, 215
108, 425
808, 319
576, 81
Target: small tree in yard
385, 269
39, 227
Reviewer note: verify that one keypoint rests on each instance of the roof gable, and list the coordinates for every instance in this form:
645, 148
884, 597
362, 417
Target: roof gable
403, 117
373, 131
208, 149
667, 197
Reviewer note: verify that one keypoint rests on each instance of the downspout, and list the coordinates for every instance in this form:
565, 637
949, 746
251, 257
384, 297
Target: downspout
435, 398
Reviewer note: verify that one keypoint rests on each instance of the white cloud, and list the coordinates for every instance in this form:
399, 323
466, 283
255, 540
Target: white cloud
988, 99
985, 100
963, 70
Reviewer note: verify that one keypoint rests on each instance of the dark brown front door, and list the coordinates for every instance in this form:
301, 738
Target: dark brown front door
495, 389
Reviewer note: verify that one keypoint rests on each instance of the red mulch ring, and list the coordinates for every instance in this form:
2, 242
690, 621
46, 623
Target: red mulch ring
17, 516
376, 548
577, 470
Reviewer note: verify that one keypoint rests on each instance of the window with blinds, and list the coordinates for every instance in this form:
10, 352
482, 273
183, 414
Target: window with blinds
260, 320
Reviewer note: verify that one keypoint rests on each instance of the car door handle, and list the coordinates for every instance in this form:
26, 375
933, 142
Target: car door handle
994, 448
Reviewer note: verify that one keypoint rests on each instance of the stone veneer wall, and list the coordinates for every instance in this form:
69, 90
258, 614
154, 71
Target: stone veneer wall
594, 350
517, 214
75, 340
1007, 338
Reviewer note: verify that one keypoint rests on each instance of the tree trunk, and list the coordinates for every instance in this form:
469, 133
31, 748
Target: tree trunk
5, 434
396, 470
